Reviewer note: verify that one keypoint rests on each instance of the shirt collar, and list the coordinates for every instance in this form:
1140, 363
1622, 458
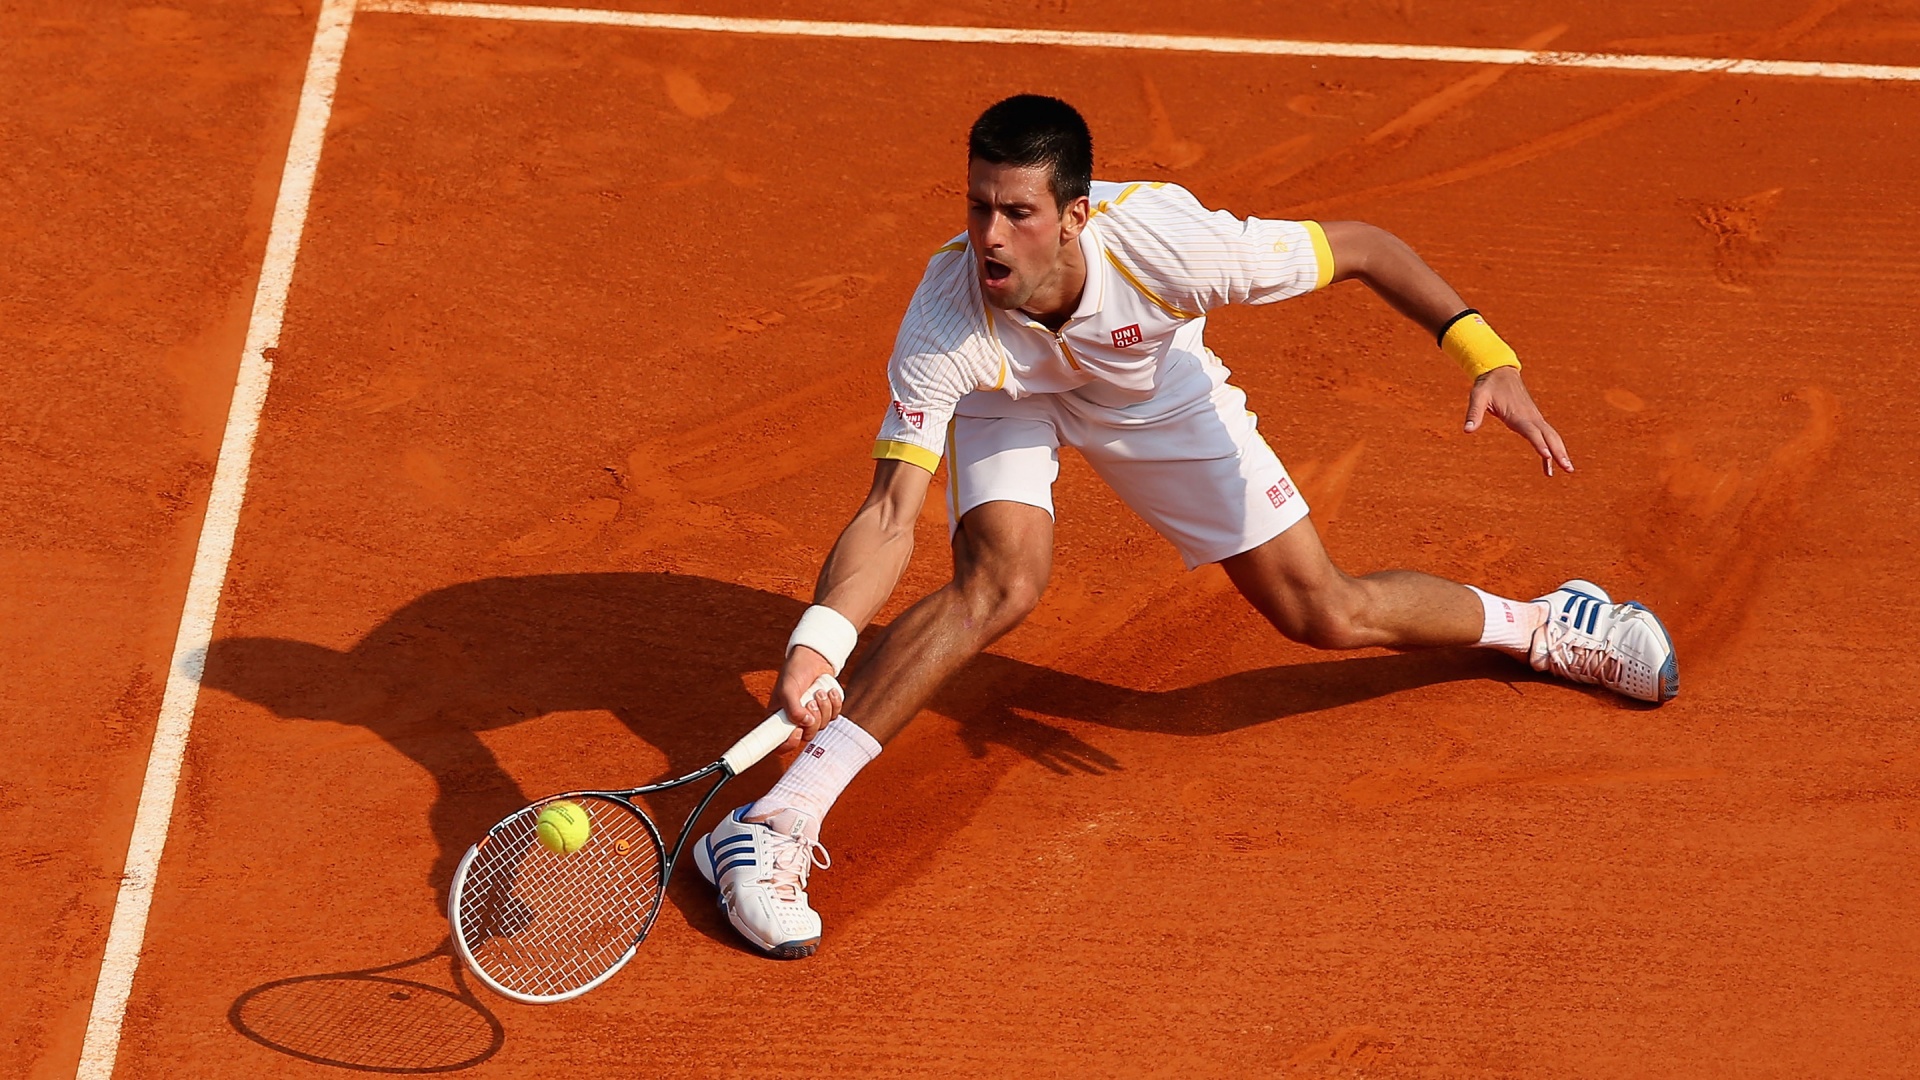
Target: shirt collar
1094, 293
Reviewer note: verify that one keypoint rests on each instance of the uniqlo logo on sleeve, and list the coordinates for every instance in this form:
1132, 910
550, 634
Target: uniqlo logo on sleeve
916, 417
1279, 493
1126, 335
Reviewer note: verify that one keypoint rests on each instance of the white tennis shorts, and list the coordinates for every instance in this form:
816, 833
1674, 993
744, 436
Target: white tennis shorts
1200, 473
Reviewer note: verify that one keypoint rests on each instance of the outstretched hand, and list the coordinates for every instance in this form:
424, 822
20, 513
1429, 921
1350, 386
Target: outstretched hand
1501, 393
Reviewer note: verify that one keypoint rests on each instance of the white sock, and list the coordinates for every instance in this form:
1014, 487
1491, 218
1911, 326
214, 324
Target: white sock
1510, 624
824, 769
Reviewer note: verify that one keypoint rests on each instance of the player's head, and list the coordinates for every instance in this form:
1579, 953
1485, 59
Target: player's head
1029, 167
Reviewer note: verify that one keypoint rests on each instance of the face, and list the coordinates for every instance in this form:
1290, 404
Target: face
1019, 236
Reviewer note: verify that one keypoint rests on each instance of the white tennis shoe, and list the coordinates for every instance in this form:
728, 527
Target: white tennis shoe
761, 873
1590, 639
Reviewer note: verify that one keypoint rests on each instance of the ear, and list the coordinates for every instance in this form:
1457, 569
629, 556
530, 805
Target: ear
1073, 218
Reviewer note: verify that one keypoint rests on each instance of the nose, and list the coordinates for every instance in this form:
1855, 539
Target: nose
995, 233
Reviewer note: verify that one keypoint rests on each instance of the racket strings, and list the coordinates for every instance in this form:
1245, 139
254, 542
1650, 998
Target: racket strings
544, 924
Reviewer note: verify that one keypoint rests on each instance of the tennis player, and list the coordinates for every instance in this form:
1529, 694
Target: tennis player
1071, 312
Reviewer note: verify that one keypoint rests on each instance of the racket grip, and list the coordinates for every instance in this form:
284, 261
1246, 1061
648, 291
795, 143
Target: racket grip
771, 732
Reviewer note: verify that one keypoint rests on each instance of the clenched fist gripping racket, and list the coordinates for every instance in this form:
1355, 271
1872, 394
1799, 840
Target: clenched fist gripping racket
537, 926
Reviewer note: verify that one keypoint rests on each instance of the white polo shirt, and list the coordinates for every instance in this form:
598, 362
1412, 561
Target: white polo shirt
1157, 262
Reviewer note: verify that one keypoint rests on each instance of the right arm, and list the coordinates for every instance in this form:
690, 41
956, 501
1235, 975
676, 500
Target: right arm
944, 350
856, 581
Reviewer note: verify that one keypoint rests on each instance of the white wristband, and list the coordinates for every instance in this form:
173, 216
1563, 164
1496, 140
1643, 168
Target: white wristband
826, 632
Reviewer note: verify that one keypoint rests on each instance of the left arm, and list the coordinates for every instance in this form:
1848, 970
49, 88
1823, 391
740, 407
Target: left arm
1391, 269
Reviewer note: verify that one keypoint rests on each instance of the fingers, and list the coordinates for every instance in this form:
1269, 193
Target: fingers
1477, 405
1534, 431
1559, 447
1546, 441
808, 714
825, 705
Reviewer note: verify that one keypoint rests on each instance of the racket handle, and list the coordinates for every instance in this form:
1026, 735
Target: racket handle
767, 737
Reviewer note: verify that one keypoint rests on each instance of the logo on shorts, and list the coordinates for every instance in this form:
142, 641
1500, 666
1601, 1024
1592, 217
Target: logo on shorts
1279, 493
916, 417
1126, 335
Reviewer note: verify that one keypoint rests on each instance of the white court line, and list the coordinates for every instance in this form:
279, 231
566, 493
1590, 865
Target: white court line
130, 907
1087, 39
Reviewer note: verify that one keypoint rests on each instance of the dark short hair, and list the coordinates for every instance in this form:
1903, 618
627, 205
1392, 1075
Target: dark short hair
1031, 129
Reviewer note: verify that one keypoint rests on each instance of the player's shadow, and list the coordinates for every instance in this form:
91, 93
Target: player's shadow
665, 653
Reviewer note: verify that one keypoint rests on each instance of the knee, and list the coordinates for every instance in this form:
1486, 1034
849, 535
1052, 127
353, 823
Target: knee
997, 602
1323, 618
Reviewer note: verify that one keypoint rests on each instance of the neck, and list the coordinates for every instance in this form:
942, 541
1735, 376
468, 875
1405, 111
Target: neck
1053, 303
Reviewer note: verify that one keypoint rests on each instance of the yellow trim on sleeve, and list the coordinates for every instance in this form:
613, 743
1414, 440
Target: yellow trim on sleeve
957, 245
890, 450
1322, 253
1177, 313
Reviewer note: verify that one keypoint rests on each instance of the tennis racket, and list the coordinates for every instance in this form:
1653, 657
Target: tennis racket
541, 927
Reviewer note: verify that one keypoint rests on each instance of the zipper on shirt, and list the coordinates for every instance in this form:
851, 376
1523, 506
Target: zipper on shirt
1066, 352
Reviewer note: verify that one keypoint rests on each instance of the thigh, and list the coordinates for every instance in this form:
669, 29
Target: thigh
1205, 478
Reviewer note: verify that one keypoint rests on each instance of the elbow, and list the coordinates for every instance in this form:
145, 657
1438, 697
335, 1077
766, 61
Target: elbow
892, 521
1360, 250
896, 530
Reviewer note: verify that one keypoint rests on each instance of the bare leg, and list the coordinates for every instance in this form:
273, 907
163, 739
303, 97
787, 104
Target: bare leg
1291, 581
1002, 557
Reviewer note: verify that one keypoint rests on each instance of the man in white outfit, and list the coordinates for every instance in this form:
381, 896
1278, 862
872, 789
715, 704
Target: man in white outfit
1071, 312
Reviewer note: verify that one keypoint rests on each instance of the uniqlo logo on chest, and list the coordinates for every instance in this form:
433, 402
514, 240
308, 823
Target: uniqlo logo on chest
1126, 336
916, 417
1279, 493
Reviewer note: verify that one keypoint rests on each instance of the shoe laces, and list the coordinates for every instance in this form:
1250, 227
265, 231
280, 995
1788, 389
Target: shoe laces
1585, 663
792, 857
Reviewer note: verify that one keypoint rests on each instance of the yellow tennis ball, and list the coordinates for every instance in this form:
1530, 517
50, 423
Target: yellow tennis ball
563, 827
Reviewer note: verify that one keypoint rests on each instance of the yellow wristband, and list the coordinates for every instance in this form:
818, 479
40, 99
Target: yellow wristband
1474, 346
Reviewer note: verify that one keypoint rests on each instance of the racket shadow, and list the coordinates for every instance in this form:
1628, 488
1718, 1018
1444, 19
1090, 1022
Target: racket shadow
374, 1020
665, 653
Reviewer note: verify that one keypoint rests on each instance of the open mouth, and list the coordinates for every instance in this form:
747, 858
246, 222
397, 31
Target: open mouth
996, 271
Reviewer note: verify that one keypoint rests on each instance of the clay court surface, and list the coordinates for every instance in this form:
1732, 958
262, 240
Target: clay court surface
581, 363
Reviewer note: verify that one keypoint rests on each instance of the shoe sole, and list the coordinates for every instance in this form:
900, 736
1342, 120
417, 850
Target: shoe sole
1670, 671
786, 950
